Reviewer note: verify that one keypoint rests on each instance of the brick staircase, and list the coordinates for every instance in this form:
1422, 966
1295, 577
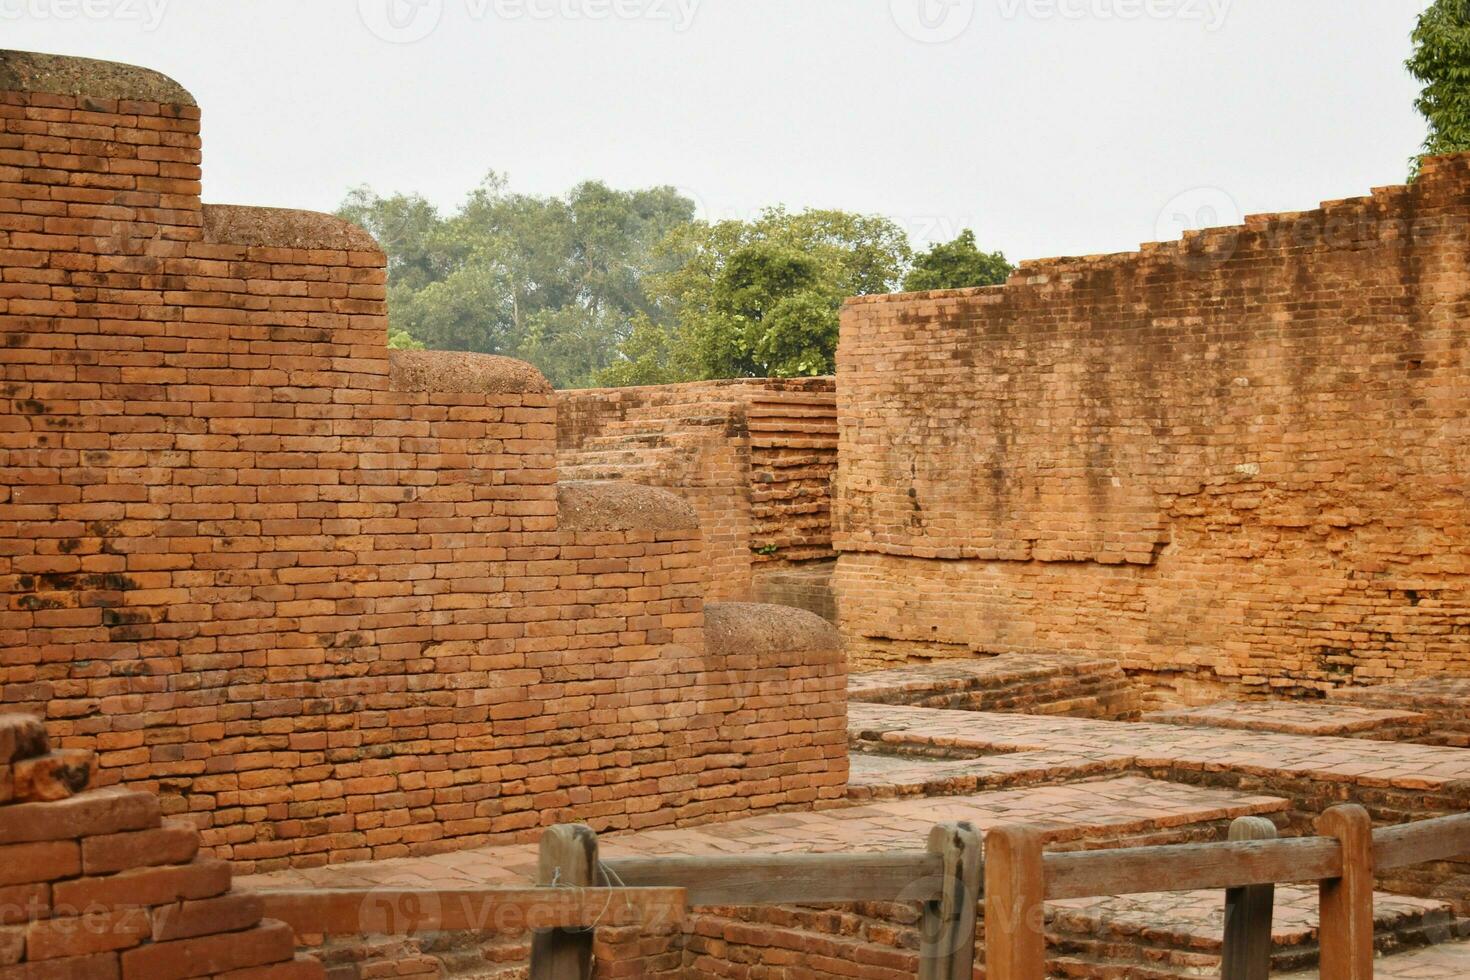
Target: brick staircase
1039, 684
1180, 935
653, 445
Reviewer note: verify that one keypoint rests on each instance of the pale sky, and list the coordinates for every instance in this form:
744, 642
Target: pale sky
1052, 127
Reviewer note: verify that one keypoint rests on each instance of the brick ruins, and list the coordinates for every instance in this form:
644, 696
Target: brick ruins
286, 610
1233, 464
331, 604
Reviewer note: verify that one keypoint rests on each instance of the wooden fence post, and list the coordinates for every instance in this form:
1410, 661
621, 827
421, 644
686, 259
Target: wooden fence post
1346, 934
1015, 889
1248, 911
947, 949
568, 859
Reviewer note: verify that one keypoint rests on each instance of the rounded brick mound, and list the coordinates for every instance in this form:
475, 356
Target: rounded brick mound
232, 224
461, 372
30, 71
617, 506
748, 627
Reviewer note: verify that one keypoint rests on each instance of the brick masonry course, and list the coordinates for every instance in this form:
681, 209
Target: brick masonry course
315, 595
756, 458
1236, 463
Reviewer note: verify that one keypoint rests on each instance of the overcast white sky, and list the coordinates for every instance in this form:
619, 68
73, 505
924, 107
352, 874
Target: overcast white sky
1053, 127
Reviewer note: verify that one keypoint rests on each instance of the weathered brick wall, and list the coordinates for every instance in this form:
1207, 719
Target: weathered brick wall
321, 600
97, 884
756, 457
1240, 461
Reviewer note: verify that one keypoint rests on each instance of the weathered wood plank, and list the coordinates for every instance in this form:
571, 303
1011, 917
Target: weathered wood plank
1015, 889
1346, 935
1189, 867
1422, 841
947, 929
568, 860
414, 911
1248, 913
809, 879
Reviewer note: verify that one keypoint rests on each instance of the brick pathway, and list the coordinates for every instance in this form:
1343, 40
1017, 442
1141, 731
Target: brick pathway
1411, 767
1300, 718
1181, 934
1130, 809
1448, 962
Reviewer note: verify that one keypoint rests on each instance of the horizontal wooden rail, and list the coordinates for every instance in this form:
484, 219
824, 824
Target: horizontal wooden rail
1190, 867
410, 911
807, 879
1419, 843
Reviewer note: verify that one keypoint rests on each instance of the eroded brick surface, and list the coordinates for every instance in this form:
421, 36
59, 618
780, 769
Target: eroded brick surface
315, 596
1239, 461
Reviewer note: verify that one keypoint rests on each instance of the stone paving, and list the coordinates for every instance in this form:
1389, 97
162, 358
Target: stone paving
1181, 934
1301, 718
1445, 699
1447, 962
1042, 684
1127, 810
898, 728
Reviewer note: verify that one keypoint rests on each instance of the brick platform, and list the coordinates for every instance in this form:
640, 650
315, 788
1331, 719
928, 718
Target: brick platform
1445, 699
1303, 718
1395, 782
1043, 684
1106, 813
1179, 936
1447, 962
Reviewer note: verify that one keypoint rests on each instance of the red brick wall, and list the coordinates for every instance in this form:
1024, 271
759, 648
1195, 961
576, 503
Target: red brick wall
1242, 460
319, 600
99, 884
756, 457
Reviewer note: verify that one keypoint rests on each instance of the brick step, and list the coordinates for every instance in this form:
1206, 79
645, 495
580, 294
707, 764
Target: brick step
1179, 936
1303, 718
1446, 700
1084, 687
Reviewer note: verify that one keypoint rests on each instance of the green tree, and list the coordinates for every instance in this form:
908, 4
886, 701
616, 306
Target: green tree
1441, 62
558, 281
957, 265
759, 298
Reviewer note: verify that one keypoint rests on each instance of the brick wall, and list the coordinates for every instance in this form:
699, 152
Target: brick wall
320, 599
1237, 462
756, 457
98, 884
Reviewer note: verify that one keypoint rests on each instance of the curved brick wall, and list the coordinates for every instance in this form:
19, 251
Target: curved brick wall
313, 594
1240, 461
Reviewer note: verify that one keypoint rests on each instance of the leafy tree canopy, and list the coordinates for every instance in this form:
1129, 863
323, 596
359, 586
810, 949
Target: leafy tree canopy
609, 287
957, 265
1441, 62
558, 281
761, 298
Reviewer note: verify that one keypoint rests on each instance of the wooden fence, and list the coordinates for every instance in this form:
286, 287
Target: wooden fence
947, 879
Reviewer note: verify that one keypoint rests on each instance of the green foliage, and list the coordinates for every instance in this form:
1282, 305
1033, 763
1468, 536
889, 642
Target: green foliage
400, 339
761, 298
558, 281
1441, 62
957, 265
608, 287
